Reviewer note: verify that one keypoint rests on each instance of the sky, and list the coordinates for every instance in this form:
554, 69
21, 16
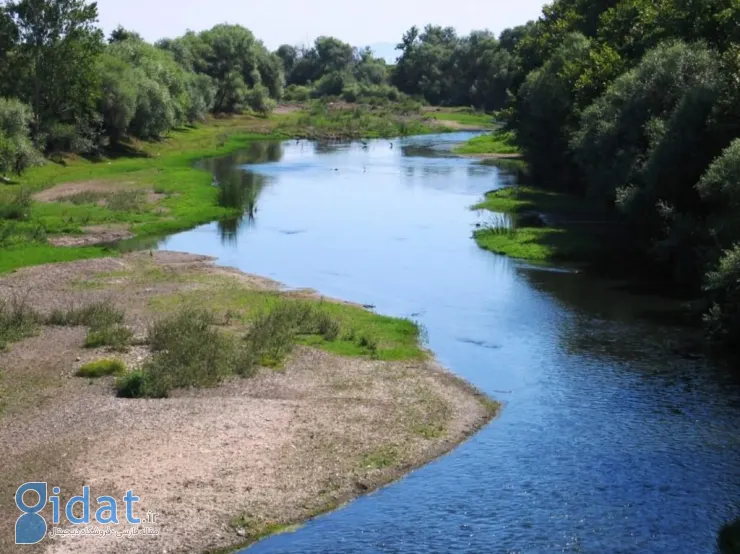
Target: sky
275, 22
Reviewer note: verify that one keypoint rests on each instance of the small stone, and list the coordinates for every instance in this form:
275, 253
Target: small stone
241, 532
78, 359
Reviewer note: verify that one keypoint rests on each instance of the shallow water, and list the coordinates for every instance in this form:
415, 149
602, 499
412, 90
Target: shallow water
608, 441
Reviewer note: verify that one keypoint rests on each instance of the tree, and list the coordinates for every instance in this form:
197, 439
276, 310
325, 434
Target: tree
16, 150
547, 114
58, 47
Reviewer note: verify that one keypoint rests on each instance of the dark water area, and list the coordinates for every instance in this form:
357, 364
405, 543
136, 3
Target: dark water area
609, 441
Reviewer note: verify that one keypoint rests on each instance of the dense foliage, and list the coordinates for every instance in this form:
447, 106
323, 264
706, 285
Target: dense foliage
332, 68
632, 104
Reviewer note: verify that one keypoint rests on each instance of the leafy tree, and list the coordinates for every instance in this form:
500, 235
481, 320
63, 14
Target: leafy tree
16, 150
723, 287
119, 34
58, 45
234, 60
547, 113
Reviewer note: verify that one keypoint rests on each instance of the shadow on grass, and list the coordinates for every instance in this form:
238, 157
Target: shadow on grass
116, 151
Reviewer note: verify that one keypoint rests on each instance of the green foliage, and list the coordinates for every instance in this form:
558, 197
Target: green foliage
500, 142
719, 187
723, 288
55, 69
235, 62
16, 150
450, 70
18, 206
101, 368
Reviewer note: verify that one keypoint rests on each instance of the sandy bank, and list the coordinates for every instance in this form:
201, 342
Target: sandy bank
220, 466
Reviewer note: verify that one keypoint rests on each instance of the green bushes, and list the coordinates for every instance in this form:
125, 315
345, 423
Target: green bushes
190, 351
16, 150
104, 320
101, 368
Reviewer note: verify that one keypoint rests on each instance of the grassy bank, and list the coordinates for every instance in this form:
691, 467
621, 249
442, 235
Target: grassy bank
462, 117
542, 226
153, 188
496, 143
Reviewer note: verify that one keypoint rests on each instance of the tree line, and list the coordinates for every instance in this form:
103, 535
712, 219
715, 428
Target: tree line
633, 105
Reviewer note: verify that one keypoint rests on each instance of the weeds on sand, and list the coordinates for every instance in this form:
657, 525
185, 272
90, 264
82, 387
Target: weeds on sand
17, 320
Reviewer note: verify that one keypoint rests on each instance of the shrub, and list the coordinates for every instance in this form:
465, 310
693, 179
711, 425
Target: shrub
297, 93
116, 338
138, 384
723, 287
16, 150
188, 351
258, 99
101, 368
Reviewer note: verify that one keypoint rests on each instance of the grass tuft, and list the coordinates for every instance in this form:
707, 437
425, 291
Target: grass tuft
96, 315
102, 368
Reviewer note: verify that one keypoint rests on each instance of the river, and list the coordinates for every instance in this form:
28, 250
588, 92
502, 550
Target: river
608, 441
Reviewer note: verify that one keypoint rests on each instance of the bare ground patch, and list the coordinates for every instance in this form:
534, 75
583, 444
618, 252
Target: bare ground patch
63, 190
218, 465
94, 234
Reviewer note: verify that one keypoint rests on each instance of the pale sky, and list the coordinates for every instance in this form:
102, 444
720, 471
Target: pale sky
300, 21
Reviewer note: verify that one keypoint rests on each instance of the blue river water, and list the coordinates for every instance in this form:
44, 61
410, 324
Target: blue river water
609, 441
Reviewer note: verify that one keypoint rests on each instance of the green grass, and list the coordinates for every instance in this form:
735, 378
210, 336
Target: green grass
569, 238
101, 368
361, 332
191, 351
361, 121
464, 116
117, 338
498, 142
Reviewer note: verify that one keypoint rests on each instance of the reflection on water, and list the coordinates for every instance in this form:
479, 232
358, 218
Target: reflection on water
238, 187
610, 441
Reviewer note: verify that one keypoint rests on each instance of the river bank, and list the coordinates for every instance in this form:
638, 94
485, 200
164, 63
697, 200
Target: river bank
225, 465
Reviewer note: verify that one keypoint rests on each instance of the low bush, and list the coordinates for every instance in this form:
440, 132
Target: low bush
190, 351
